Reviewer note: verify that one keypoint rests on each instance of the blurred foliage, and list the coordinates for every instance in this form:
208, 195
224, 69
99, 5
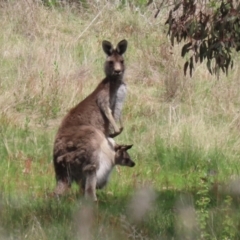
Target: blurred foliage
211, 29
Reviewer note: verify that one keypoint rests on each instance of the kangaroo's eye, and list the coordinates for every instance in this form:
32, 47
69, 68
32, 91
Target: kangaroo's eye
122, 62
111, 62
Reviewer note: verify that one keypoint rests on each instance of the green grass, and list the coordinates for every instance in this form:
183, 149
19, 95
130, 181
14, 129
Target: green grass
28, 209
185, 131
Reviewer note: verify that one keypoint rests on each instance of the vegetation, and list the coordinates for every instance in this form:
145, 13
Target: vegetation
185, 131
212, 31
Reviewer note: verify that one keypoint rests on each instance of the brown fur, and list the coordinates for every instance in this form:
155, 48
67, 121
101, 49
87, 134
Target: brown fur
98, 108
84, 155
80, 135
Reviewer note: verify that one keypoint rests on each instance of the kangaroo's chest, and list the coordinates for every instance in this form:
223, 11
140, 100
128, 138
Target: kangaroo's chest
104, 170
118, 100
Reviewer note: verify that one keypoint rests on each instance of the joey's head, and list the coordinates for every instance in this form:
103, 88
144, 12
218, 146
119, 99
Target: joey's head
114, 64
122, 157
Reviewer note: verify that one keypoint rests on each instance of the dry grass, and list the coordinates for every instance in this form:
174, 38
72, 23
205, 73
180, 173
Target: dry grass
51, 58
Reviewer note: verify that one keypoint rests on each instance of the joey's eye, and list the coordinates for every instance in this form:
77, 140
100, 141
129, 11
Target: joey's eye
110, 62
122, 61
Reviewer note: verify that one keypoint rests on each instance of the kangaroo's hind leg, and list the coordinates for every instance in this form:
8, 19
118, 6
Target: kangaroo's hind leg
63, 178
91, 182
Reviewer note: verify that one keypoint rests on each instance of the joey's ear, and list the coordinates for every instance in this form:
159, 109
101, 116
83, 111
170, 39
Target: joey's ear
107, 47
126, 147
122, 47
117, 147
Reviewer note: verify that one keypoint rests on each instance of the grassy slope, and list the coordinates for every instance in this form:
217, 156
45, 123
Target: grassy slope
183, 130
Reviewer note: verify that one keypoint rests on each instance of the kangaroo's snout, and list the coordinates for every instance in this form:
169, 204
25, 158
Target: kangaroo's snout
118, 68
132, 164
117, 72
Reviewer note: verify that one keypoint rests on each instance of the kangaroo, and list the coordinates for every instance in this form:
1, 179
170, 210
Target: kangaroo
84, 155
104, 105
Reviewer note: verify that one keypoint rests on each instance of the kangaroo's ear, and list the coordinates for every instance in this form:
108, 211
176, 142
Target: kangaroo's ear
126, 147
117, 147
107, 47
122, 47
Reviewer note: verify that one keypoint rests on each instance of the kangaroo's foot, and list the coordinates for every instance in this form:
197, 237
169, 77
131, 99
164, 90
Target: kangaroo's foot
61, 188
